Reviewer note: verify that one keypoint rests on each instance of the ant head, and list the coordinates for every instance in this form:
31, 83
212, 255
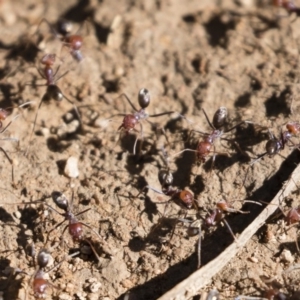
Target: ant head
144, 98
219, 118
64, 27
165, 178
53, 92
48, 59
60, 200
43, 258
272, 147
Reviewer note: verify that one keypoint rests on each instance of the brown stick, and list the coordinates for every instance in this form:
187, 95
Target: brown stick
191, 285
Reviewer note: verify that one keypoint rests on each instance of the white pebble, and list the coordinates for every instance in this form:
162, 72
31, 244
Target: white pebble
71, 168
64, 296
287, 256
94, 287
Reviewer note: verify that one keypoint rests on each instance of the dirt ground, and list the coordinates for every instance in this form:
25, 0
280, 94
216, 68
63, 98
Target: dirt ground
191, 55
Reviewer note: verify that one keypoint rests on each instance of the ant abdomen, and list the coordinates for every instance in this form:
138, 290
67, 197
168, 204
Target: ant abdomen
54, 92
60, 200
165, 178
43, 258
64, 27
273, 147
219, 118
144, 98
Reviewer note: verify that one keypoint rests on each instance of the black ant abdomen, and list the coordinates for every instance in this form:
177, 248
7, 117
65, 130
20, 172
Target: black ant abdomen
144, 98
219, 118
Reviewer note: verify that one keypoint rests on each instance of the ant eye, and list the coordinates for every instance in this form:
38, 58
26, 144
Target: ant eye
60, 200
144, 98
64, 27
43, 258
219, 118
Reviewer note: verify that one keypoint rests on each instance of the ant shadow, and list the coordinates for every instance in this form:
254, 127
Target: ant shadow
217, 241
276, 105
25, 49
79, 12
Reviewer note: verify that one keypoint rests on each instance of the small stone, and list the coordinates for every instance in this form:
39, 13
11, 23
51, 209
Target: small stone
94, 287
17, 214
287, 256
71, 168
64, 296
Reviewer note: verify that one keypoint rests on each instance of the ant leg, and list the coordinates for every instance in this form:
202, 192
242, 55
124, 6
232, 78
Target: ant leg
199, 248
82, 212
229, 228
74, 106
93, 249
207, 119
57, 225
50, 27
180, 152
35, 119
237, 125
128, 100
64, 74
11, 162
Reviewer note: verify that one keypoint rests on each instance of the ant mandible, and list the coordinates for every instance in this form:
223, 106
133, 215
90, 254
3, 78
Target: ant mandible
130, 121
53, 91
204, 147
72, 41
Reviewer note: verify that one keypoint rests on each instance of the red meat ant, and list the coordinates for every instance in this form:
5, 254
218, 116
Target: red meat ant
183, 198
288, 5
130, 121
275, 145
75, 227
72, 41
53, 91
206, 146
211, 219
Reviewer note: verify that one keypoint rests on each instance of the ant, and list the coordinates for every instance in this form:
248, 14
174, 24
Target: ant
130, 121
75, 227
204, 147
72, 41
53, 91
38, 281
288, 5
183, 198
274, 145
211, 219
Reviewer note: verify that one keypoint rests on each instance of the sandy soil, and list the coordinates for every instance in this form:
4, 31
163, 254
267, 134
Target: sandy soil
190, 55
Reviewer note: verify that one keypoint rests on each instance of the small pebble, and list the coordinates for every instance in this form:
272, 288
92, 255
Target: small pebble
287, 256
64, 296
94, 287
71, 168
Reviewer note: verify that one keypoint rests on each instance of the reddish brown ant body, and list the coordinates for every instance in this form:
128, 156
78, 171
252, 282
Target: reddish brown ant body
53, 91
211, 219
288, 5
130, 121
75, 227
183, 198
72, 41
274, 145
39, 283
206, 146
